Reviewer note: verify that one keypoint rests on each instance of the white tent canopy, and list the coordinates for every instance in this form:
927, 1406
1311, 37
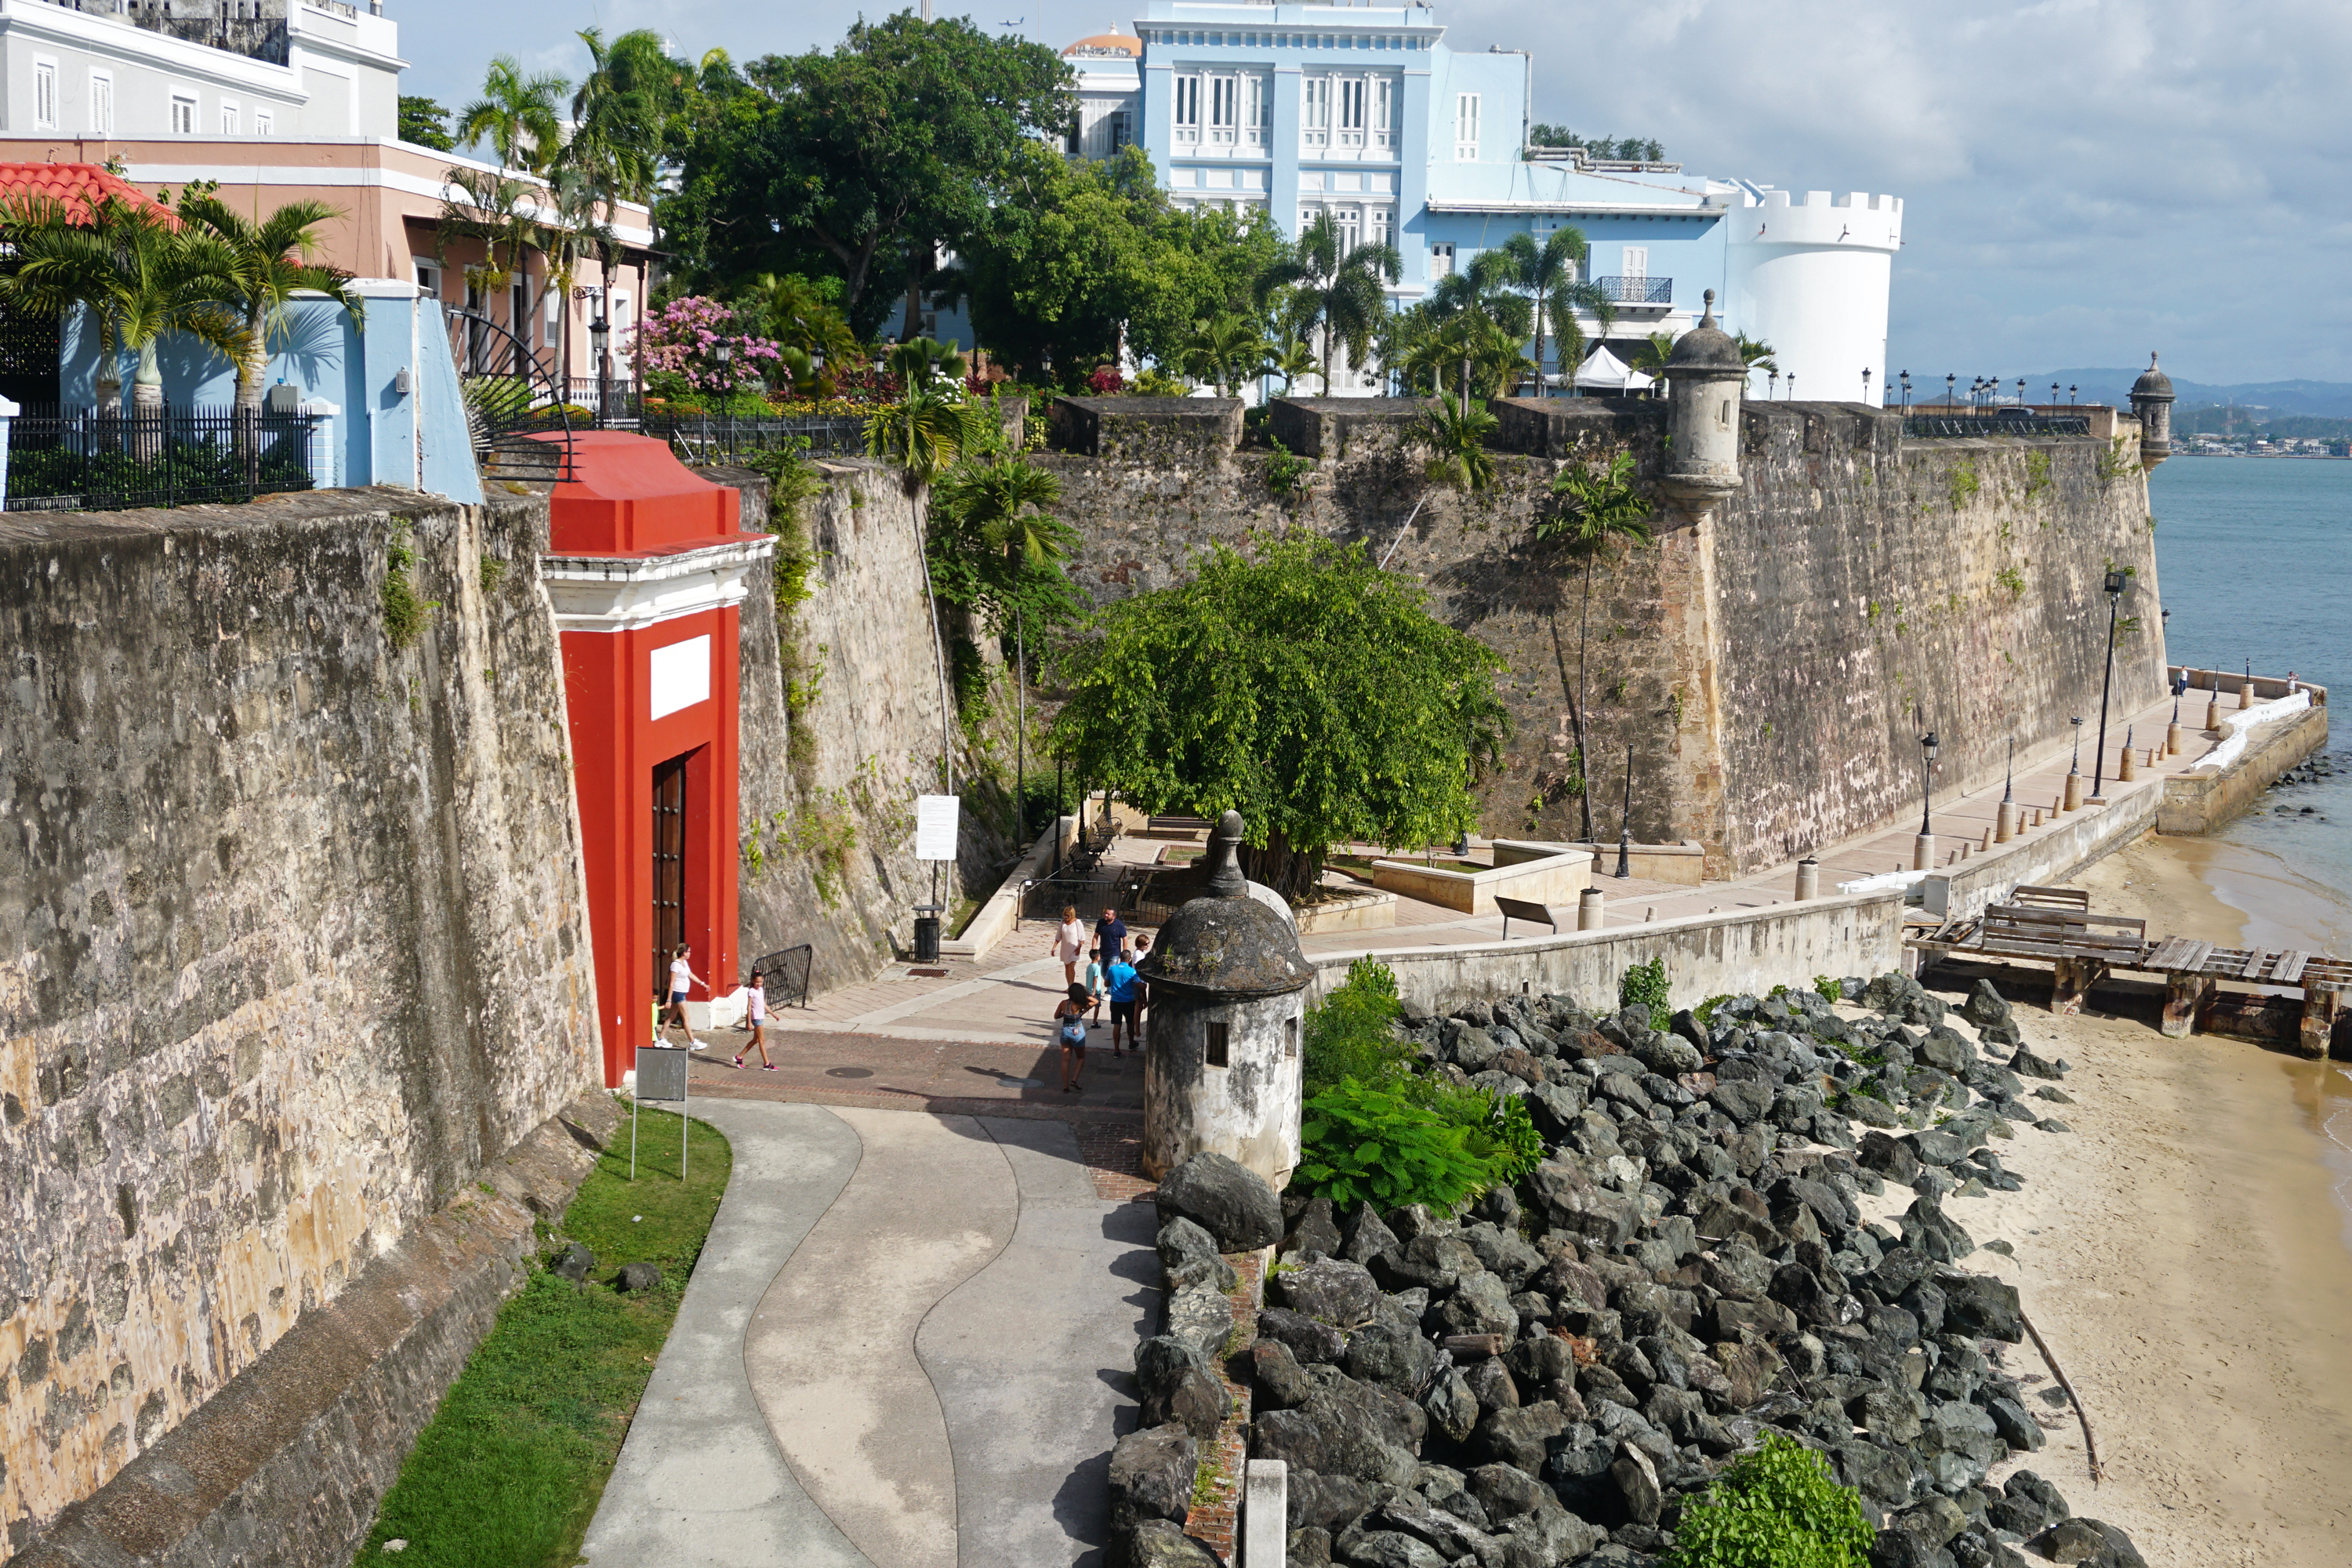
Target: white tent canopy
1604, 372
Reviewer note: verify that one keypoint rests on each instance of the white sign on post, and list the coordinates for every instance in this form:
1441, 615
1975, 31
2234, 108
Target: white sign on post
935, 826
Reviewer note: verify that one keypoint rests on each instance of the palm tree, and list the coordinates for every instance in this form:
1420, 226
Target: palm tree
504, 214
921, 365
141, 274
1340, 292
1548, 273
1225, 350
517, 113
1456, 437
1481, 356
1602, 504
795, 314
1755, 353
1651, 357
269, 260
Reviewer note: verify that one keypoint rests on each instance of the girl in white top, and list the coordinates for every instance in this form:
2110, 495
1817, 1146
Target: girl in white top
681, 976
756, 1015
1070, 944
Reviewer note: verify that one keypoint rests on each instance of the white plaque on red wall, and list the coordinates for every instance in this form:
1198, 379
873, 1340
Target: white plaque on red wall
935, 828
681, 675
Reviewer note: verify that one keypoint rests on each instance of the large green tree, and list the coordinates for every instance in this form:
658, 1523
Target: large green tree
1296, 683
1598, 503
876, 154
1335, 288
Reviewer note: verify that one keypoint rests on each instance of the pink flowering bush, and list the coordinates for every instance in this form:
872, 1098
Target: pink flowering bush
1106, 381
683, 339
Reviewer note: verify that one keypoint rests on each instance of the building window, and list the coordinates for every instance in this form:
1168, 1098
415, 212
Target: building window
428, 277
1441, 261
1224, 110
264, 123
1216, 1047
1636, 264
1378, 228
44, 95
1074, 144
1315, 111
1290, 1037
1257, 110
553, 300
1352, 111
1350, 221
1384, 126
1117, 135
228, 119
1188, 110
183, 115
102, 103
1465, 127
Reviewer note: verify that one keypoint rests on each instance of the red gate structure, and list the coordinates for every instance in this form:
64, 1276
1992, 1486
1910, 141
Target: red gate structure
647, 567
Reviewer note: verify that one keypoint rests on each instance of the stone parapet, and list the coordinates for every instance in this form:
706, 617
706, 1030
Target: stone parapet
1153, 430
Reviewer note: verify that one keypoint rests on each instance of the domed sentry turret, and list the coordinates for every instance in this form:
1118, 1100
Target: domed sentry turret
2151, 400
1220, 1065
1706, 375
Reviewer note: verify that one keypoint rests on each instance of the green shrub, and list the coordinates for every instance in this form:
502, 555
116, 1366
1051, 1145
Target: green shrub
1777, 1507
1499, 1134
1705, 1011
1831, 990
1644, 985
1361, 1144
1350, 1033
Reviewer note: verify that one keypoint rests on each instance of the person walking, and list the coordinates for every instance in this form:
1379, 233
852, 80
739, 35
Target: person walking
1110, 934
1070, 943
756, 1015
1070, 1028
1142, 986
1123, 988
1097, 986
682, 977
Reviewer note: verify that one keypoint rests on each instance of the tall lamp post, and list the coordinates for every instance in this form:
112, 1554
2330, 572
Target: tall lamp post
2116, 581
2073, 799
1906, 394
1625, 820
1951, 390
1866, 383
600, 337
1923, 852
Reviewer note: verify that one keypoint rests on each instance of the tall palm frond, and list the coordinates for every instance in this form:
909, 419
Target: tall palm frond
516, 114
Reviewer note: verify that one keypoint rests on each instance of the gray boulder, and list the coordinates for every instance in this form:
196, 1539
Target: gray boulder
1980, 1306
1188, 1256
1151, 1476
1281, 1382
1316, 1229
573, 1263
1178, 1385
1223, 1198
1161, 1543
1309, 1340
1452, 1409
1340, 1432
1745, 1102
1636, 1477
1985, 1005
639, 1278
2025, 1063
1327, 1502
1202, 1318
1340, 1293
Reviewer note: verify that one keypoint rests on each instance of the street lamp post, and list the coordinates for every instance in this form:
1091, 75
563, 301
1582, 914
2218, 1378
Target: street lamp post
1951, 390
1625, 820
1866, 383
2114, 586
2020, 393
1906, 394
2004, 827
600, 335
2073, 799
1923, 850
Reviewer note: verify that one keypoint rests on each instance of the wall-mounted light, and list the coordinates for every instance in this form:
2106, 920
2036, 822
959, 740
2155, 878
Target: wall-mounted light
399, 381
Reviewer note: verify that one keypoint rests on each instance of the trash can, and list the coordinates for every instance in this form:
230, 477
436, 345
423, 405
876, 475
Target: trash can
927, 938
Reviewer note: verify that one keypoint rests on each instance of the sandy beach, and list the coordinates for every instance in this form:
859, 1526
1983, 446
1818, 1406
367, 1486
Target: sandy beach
2183, 1249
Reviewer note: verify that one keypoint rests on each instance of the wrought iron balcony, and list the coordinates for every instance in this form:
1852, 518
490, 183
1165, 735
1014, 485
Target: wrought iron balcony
1637, 291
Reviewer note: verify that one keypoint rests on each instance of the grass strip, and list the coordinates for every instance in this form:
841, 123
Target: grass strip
509, 1471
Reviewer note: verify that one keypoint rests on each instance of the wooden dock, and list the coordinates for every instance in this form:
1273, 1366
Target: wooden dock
2057, 926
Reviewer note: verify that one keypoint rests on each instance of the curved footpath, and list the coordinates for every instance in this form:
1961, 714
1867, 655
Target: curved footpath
907, 1345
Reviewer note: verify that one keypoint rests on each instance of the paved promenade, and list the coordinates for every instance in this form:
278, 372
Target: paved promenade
907, 1344
1008, 996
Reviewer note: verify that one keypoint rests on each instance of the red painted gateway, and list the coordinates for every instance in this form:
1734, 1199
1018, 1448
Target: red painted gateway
646, 565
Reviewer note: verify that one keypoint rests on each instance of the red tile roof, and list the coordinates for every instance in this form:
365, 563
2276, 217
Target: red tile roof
75, 185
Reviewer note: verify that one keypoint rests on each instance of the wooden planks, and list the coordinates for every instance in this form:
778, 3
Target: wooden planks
2051, 898
2253, 969
2290, 966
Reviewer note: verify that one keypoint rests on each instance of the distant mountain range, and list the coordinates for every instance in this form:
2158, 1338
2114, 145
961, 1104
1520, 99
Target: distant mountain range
2327, 399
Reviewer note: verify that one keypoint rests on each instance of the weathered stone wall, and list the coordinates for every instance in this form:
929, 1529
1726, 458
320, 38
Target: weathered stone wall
1768, 667
828, 814
292, 935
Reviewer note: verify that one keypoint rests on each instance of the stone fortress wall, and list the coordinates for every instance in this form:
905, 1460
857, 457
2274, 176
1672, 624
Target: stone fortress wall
293, 941
1772, 666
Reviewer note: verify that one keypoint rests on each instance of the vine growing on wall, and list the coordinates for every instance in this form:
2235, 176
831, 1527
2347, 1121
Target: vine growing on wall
2116, 461
405, 609
2037, 474
1963, 485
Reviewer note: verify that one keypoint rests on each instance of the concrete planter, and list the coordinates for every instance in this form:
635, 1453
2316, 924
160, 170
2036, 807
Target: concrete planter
1365, 911
1684, 864
1552, 878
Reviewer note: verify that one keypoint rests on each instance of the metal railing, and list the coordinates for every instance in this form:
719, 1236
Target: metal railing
511, 399
85, 460
616, 402
721, 438
784, 975
2003, 422
1636, 290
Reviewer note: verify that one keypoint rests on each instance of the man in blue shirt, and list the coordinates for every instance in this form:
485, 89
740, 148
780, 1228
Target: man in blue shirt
1125, 988
1110, 934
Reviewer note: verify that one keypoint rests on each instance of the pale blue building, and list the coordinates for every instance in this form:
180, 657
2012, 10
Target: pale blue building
1363, 112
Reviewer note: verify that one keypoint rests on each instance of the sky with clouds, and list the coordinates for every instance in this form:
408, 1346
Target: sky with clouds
2084, 180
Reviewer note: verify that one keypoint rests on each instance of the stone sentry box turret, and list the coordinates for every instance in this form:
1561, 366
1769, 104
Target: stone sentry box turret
1220, 1069
2151, 401
1706, 375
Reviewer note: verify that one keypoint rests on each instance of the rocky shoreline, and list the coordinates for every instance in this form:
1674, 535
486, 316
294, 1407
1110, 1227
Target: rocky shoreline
1554, 1374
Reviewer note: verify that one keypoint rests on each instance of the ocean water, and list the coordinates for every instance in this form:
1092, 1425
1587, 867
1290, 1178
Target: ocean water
2251, 554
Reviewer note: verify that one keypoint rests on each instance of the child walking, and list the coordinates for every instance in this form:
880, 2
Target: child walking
681, 977
1070, 1028
1096, 986
756, 1015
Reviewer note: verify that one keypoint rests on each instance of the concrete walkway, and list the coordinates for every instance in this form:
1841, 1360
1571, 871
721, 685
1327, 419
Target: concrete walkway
907, 1345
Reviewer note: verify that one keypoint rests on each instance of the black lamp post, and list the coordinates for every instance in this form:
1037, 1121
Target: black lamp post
2116, 581
2077, 721
600, 335
2053, 395
2021, 392
2070, 395
1866, 383
1926, 780
1952, 392
1626, 821
1906, 394
1772, 386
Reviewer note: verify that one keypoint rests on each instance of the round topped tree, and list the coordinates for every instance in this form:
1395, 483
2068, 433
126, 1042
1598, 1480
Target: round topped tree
1221, 1067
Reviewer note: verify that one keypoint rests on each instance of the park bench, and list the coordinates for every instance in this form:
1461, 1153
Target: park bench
1534, 914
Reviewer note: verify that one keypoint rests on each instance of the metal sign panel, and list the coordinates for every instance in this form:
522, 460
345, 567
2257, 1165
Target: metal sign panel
661, 1072
935, 826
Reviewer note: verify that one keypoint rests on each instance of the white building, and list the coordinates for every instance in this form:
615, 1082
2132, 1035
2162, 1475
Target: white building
1361, 111
101, 70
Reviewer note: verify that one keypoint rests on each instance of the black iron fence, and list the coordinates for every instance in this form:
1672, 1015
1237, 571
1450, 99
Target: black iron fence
1143, 895
784, 976
85, 460
723, 438
1636, 290
2004, 422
